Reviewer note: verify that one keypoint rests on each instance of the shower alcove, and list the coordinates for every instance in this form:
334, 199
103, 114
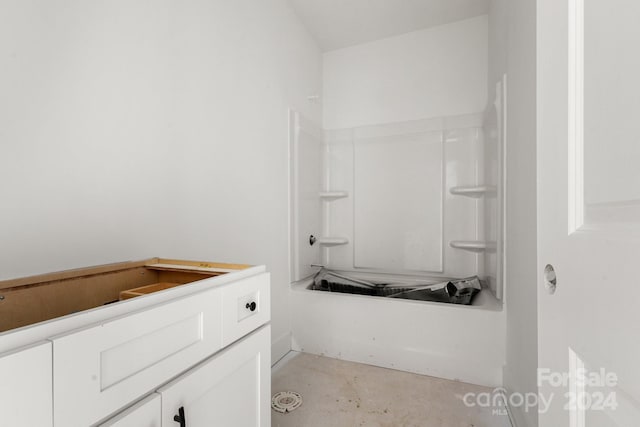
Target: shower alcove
413, 202
402, 183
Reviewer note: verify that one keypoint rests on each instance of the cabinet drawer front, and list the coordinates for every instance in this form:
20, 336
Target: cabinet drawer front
145, 413
103, 368
246, 306
25, 387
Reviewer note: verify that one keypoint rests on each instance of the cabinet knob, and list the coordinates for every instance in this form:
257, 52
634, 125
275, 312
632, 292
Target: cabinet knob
251, 306
180, 418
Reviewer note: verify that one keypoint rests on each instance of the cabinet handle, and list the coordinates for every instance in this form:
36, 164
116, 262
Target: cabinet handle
180, 418
251, 306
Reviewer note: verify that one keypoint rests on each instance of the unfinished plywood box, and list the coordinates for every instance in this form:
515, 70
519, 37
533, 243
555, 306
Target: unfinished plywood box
30, 300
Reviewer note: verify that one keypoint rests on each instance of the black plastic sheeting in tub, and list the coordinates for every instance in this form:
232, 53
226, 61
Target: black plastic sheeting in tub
459, 291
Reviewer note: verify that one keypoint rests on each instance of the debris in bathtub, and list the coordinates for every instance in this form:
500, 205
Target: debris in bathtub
286, 401
457, 291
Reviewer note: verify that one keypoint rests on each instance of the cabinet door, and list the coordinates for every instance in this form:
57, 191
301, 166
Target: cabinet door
145, 413
25, 387
231, 389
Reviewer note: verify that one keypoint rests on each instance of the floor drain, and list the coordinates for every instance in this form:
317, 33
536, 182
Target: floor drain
286, 401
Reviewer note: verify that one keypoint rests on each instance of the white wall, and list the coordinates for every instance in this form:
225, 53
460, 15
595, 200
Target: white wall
137, 129
515, 20
440, 71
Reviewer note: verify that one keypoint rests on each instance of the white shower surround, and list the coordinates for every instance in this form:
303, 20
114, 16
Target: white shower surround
441, 74
409, 201
463, 343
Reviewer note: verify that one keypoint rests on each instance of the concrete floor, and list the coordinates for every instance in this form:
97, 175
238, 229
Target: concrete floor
336, 393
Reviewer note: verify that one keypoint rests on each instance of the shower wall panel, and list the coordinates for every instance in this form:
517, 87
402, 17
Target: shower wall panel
306, 147
400, 216
398, 202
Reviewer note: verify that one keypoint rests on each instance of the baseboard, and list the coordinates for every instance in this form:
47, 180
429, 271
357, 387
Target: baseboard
280, 347
447, 367
283, 361
505, 400
518, 416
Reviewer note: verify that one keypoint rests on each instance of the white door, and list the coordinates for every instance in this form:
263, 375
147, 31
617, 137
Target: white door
589, 211
232, 389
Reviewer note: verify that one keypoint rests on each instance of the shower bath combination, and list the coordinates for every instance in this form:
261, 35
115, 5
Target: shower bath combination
402, 188
437, 261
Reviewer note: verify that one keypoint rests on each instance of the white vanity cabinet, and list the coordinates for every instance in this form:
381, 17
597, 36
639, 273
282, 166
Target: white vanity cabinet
197, 337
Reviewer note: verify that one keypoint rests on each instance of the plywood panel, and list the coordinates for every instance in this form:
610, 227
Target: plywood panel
77, 273
197, 264
148, 289
30, 304
171, 276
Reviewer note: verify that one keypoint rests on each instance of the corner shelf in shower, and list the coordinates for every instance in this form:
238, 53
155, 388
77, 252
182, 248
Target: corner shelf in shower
473, 191
333, 241
333, 195
473, 245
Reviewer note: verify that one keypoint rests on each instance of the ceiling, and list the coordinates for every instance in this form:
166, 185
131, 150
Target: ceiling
340, 23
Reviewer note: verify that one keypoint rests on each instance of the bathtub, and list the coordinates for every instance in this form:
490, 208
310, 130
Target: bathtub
457, 342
